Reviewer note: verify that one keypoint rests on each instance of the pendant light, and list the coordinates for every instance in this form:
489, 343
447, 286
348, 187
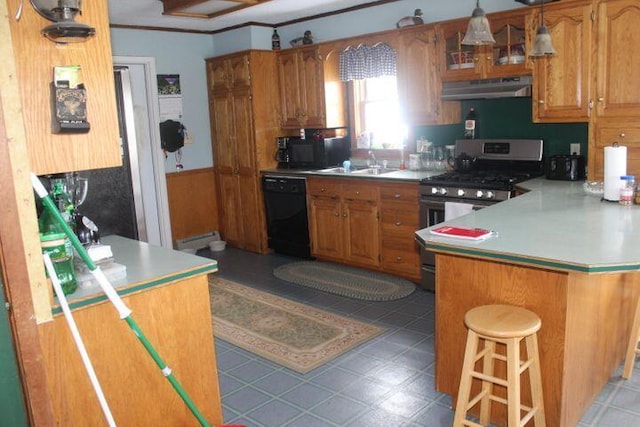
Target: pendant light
478, 31
542, 43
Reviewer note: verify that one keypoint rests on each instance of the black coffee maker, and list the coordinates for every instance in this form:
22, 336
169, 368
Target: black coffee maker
282, 154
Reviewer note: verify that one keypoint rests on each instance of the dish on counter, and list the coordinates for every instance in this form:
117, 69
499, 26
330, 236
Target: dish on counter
593, 188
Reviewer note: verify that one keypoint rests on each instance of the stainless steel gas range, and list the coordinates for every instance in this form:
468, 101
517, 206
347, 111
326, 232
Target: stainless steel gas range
486, 172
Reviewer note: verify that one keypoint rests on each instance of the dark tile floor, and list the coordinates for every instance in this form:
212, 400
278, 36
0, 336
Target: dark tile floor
387, 381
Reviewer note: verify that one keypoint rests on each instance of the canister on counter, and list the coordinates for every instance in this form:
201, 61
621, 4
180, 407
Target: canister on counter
59, 248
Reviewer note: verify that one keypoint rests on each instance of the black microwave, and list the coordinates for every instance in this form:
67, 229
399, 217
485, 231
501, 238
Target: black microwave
314, 153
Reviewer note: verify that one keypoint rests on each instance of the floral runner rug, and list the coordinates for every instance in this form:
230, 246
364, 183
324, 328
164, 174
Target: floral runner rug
291, 334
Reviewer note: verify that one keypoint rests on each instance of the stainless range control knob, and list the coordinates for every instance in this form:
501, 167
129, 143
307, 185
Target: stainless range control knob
434, 190
490, 195
443, 191
460, 192
479, 194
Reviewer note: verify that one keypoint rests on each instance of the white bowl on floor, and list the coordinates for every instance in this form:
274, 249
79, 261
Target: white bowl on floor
217, 245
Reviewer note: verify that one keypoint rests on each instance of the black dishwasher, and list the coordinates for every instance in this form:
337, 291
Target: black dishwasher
285, 200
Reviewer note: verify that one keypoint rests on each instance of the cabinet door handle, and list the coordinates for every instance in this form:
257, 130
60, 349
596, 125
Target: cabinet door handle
344, 214
357, 193
397, 196
601, 99
541, 101
337, 214
398, 258
322, 190
398, 223
489, 58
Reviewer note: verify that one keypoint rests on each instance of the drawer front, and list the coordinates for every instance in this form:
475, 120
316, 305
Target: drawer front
403, 261
405, 193
606, 135
365, 192
324, 187
400, 222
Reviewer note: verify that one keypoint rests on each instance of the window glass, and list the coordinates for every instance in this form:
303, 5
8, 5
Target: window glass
378, 123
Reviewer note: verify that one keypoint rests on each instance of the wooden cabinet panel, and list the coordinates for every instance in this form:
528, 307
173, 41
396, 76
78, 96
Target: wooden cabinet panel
562, 82
617, 83
311, 94
343, 221
419, 80
325, 224
35, 58
243, 109
362, 246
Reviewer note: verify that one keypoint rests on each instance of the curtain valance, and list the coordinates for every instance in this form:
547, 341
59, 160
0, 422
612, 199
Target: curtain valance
364, 62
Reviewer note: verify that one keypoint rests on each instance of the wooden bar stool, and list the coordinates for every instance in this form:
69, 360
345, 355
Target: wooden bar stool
506, 325
632, 347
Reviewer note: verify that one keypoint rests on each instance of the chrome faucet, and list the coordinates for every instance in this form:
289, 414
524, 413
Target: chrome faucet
372, 159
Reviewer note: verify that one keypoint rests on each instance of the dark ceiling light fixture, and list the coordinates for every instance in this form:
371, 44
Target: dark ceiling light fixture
542, 45
478, 31
62, 13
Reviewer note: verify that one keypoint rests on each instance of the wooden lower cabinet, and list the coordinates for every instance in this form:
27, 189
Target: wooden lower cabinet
134, 387
343, 221
606, 132
365, 223
400, 218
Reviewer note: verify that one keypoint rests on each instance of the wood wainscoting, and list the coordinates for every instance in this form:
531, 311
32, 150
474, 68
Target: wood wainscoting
192, 202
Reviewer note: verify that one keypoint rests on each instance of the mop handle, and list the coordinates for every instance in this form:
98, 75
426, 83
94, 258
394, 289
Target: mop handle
123, 310
78, 339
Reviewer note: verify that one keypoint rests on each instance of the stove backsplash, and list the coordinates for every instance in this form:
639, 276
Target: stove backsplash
509, 118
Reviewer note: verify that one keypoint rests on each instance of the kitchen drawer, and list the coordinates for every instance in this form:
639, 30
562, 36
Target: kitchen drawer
405, 193
400, 222
360, 191
402, 261
324, 187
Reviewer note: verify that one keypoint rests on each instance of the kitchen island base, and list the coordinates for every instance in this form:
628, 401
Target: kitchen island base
586, 322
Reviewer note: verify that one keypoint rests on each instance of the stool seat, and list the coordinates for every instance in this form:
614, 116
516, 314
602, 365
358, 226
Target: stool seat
504, 326
502, 321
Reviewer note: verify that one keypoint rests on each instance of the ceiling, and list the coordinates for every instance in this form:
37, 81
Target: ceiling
149, 13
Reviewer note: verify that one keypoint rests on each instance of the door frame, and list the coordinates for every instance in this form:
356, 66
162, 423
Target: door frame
157, 156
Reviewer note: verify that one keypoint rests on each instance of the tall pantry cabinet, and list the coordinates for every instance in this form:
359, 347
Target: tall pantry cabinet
243, 107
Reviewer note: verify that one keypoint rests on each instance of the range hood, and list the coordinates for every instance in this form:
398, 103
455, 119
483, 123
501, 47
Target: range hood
506, 87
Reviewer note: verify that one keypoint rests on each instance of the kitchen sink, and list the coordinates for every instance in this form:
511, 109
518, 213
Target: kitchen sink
333, 170
374, 171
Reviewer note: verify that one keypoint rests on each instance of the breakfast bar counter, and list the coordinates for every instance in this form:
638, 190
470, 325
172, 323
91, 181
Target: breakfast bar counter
570, 258
168, 294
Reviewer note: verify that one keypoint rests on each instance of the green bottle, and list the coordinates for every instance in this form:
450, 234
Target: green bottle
56, 243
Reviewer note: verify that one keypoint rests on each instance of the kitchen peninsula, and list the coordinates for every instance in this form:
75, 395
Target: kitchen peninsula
168, 294
568, 257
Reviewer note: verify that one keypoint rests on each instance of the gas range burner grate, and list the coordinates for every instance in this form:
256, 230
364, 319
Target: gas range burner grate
499, 180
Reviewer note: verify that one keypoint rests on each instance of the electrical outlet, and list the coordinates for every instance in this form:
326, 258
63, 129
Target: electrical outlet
188, 137
575, 148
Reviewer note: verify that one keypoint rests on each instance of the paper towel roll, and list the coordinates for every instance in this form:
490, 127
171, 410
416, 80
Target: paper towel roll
615, 166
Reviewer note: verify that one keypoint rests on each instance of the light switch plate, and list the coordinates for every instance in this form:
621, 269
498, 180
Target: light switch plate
575, 148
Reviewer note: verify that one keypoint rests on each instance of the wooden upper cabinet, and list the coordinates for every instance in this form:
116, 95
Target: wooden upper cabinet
506, 58
419, 79
617, 84
35, 59
311, 95
562, 82
231, 72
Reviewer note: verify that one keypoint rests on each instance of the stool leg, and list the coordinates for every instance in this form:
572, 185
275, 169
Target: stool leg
487, 386
513, 381
535, 378
633, 344
465, 379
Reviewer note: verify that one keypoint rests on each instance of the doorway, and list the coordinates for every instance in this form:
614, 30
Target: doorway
151, 172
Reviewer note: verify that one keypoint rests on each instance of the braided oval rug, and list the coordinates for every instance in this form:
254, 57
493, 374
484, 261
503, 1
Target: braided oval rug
346, 281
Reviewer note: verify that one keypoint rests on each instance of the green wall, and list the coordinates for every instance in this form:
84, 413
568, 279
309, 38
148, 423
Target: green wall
510, 118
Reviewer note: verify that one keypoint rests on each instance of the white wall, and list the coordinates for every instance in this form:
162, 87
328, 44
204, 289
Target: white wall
183, 54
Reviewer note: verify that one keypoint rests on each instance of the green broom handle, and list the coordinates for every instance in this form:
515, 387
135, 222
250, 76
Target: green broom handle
125, 312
